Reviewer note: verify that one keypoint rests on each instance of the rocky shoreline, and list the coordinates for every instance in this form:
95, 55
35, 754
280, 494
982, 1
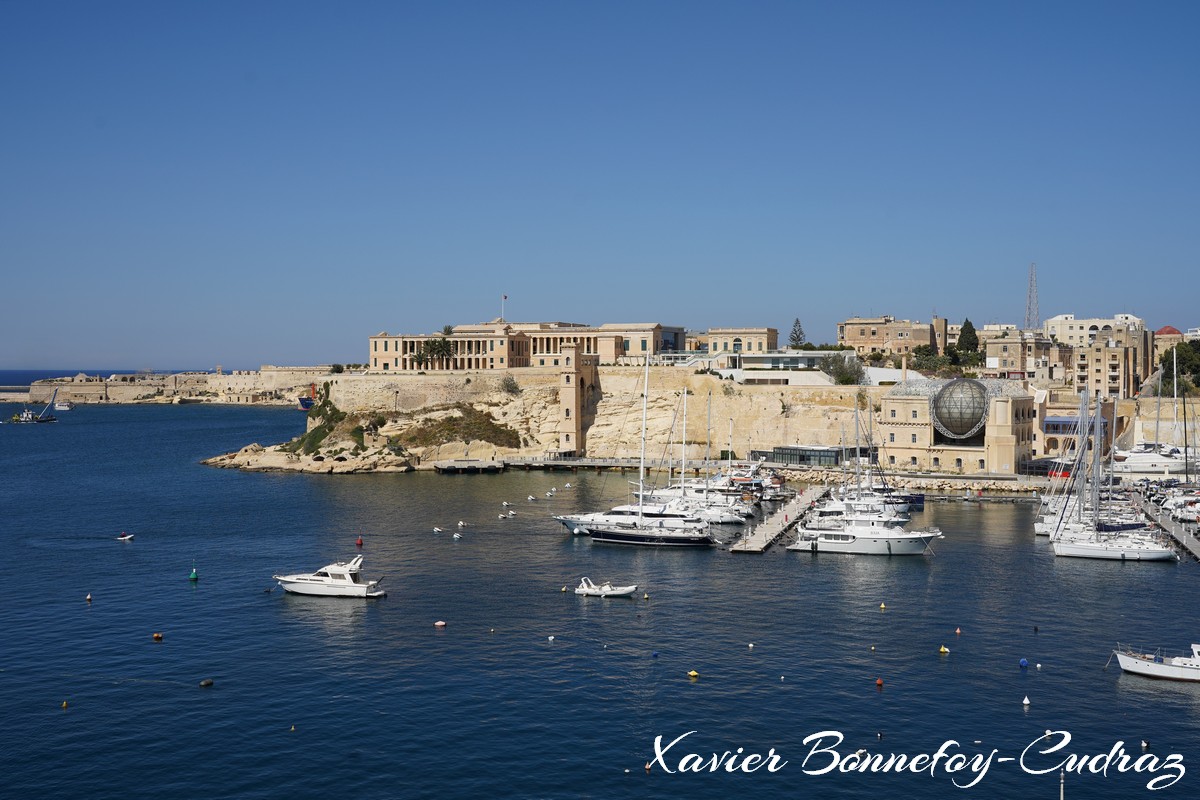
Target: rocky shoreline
256, 458
274, 458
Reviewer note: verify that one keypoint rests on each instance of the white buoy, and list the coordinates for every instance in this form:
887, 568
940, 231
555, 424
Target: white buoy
751, 645
1039, 666
1145, 744
1025, 702
780, 677
550, 638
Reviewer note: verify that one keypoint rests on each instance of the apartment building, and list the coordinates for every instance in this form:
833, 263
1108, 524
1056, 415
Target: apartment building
889, 335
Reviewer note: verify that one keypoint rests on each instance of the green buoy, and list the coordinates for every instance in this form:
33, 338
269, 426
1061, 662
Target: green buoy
194, 576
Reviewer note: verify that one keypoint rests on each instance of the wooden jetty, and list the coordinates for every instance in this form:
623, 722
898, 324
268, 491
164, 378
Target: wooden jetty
783, 520
1184, 535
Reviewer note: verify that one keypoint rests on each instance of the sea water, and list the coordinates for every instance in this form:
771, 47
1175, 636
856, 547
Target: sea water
530, 690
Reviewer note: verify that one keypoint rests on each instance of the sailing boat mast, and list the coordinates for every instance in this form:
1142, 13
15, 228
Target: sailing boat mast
642, 459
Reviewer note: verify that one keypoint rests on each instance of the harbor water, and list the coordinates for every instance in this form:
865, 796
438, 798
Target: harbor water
530, 691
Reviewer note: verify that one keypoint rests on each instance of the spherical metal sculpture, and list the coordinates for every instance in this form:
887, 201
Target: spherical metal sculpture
960, 408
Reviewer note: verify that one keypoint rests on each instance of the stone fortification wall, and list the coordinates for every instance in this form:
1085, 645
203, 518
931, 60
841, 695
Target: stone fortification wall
409, 392
762, 416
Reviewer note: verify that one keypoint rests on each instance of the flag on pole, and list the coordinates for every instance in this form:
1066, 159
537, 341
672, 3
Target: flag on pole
504, 297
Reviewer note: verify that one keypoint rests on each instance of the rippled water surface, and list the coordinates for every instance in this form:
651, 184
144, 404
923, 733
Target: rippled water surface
316, 697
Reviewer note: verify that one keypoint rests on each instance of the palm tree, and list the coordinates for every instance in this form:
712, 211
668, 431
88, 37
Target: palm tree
442, 349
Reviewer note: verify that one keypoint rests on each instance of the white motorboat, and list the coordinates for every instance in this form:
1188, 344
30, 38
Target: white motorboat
591, 589
867, 537
1157, 665
339, 579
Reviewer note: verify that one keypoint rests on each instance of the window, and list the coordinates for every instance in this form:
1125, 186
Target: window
912, 462
643, 345
385, 345
891, 437
981, 460
914, 438
958, 464
568, 377
568, 414
914, 413
937, 462
893, 413
892, 461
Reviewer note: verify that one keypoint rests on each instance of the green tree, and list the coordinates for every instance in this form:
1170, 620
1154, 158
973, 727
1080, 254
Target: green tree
447, 330
1187, 356
844, 371
796, 339
440, 350
968, 340
337, 369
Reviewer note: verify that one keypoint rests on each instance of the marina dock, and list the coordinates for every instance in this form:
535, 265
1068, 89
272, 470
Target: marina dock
1184, 535
784, 519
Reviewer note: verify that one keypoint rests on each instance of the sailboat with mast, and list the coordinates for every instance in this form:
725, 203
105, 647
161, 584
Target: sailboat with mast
25, 416
1095, 536
1152, 458
658, 528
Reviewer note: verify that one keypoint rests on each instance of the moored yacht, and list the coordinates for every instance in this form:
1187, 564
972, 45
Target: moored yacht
339, 579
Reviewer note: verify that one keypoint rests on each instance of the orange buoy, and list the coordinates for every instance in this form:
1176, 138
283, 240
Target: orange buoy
157, 637
879, 683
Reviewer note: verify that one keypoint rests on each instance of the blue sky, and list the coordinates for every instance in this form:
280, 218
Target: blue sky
187, 184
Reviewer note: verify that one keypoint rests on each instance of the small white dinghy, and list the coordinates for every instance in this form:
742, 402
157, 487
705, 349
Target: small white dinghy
591, 589
125, 537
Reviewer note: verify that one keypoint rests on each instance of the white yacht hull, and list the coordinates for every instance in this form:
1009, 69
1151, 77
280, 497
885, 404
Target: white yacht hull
1113, 550
866, 544
1177, 668
329, 590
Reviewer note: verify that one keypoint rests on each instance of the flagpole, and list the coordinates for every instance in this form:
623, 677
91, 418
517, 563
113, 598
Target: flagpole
503, 297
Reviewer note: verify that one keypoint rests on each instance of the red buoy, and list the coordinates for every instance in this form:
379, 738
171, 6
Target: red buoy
879, 683
359, 542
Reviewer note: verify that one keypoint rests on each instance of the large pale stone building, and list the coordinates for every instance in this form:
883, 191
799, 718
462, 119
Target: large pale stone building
506, 345
889, 335
1075, 332
1026, 355
742, 340
958, 427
